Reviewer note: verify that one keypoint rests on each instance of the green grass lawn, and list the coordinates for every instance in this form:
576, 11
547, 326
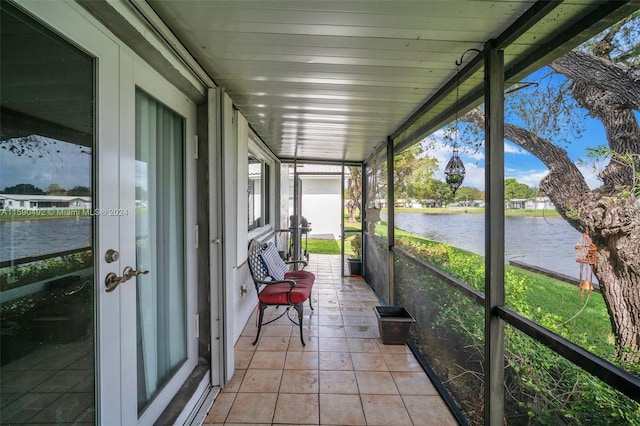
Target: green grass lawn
322, 246
552, 303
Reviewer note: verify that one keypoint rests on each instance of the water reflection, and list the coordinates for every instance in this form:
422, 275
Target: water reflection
543, 242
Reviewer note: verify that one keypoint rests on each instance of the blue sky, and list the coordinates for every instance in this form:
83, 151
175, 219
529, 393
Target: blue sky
62, 163
520, 164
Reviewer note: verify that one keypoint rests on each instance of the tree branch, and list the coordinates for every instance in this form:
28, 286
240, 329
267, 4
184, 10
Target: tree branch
621, 126
618, 79
564, 184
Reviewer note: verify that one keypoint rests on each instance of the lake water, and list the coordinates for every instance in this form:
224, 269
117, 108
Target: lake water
24, 238
543, 242
547, 243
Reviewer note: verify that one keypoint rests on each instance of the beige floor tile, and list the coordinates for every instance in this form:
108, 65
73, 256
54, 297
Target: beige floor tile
429, 411
299, 381
253, 408
264, 360
343, 376
359, 312
326, 310
368, 362
220, 408
328, 301
385, 410
242, 359
307, 332
335, 361
393, 349
363, 345
275, 330
330, 320
341, 410
311, 343
334, 344
332, 331
235, 382
250, 329
413, 383
301, 361
376, 382
401, 362
273, 343
361, 321
263, 381
297, 409
338, 382
245, 343
362, 331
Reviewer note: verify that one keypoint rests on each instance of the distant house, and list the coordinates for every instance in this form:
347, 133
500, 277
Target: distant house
536, 203
539, 203
515, 203
33, 202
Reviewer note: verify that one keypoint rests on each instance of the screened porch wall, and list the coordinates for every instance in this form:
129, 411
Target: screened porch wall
376, 266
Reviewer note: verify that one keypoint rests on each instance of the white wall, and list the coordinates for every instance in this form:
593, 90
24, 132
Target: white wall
244, 303
321, 203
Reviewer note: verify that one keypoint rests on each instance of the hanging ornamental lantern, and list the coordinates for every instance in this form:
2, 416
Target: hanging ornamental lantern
454, 172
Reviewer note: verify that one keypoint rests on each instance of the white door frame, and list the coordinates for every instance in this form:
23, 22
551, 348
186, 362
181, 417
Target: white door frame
118, 71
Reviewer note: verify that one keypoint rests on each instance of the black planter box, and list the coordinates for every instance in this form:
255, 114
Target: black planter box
394, 323
355, 267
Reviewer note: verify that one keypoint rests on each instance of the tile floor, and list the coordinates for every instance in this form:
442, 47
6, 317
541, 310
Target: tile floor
343, 376
53, 384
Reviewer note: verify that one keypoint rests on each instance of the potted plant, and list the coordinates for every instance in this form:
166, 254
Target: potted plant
355, 262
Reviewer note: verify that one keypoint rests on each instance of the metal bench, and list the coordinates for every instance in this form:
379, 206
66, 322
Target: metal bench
291, 291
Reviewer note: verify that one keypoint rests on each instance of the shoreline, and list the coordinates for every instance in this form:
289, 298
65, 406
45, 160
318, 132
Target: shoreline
477, 210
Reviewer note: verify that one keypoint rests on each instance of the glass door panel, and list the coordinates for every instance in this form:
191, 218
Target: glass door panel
47, 286
160, 246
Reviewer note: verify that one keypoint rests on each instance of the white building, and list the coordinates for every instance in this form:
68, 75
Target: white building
32, 202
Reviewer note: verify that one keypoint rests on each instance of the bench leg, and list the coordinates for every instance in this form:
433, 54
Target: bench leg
299, 307
262, 307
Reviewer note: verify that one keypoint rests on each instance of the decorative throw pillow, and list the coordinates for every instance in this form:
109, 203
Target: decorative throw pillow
272, 261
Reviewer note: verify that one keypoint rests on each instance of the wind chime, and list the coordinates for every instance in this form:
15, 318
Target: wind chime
454, 171
586, 256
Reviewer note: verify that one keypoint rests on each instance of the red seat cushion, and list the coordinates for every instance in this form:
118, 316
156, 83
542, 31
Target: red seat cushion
300, 277
277, 293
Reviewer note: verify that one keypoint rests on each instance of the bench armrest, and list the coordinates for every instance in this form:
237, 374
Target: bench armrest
291, 262
292, 283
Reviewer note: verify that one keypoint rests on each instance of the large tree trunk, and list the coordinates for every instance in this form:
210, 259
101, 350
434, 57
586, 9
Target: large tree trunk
614, 224
610, 217
354, 192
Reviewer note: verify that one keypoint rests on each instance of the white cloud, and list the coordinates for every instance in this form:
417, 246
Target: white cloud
510, 148
528, 177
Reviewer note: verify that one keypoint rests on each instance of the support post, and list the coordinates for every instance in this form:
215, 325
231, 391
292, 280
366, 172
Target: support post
391, 235
494, 235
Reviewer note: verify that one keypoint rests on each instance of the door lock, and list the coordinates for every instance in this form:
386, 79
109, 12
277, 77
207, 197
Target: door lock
111, 256
112, 281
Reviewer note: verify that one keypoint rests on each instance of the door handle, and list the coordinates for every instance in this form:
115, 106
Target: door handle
112, 281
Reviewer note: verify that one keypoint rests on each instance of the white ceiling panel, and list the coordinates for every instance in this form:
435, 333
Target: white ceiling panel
330, 80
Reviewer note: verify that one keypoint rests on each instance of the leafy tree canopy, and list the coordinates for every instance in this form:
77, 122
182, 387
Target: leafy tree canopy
23, 189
